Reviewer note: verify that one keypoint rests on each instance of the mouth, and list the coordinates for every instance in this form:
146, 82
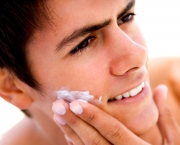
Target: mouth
131, 93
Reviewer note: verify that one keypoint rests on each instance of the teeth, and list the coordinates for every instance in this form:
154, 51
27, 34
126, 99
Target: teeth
142, 84
139, 88
119, 97
130, 93
126, 95
133, 92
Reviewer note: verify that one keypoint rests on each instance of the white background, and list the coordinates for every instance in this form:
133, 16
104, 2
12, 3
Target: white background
159, 21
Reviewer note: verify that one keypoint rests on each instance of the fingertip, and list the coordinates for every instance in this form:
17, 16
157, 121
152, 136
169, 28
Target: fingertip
162, 86
161, 91
81, 100
76, 108
59, 120
59, 109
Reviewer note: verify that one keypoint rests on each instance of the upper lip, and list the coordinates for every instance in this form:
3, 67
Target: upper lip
126, 91
132, 85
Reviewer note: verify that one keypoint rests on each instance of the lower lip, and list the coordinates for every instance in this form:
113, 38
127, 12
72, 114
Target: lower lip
135, 99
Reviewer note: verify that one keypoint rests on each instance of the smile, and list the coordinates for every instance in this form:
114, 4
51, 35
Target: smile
131, 93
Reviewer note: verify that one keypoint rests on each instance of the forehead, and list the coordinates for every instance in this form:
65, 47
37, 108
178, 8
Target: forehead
73, 7
67, 13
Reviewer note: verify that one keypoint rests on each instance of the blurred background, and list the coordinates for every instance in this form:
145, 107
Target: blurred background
159, 21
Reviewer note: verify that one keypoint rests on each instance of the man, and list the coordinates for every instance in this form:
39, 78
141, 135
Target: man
77, 46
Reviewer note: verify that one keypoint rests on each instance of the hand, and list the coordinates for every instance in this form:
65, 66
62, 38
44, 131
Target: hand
90, 125
167, 124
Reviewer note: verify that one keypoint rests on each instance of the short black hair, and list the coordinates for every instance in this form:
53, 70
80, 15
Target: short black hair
18, 20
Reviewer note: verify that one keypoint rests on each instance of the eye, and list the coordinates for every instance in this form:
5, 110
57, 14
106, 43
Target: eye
83, 45
126, 18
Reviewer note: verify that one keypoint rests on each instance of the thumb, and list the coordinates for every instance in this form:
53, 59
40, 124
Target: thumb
167, 124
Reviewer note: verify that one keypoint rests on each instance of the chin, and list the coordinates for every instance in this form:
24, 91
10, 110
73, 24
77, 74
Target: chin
141, 124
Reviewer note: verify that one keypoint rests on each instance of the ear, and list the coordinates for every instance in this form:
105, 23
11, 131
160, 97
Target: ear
12, 90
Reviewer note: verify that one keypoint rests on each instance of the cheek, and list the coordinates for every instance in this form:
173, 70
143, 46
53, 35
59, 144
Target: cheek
84, 77
77, 76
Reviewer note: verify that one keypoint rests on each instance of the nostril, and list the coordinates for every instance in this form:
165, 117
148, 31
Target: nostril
121, 72
132, 70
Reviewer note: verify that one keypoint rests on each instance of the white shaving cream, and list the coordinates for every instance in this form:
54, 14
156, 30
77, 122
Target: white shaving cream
75, 95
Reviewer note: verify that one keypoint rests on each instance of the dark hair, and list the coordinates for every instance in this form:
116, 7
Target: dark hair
18, 20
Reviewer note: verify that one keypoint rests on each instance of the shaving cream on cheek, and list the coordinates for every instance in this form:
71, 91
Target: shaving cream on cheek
75, 95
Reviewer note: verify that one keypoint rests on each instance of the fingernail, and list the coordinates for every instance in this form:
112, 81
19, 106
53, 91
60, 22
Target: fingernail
59, 120
83, 100
76, 108
165, 91
59, 109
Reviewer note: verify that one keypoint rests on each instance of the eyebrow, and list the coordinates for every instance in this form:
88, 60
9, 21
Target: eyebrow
92, 28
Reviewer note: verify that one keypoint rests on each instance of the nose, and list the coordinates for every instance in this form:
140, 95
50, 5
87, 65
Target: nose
127, 56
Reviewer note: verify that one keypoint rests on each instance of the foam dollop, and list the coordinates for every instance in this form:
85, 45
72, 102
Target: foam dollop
74, 95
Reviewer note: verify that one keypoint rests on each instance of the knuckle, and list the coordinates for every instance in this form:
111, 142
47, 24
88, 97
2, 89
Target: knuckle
95, 142
69, 132
96, 139
73, 120
115, 133
90, 117
168, 111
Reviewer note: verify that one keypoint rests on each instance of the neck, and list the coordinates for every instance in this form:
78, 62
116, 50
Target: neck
46, 128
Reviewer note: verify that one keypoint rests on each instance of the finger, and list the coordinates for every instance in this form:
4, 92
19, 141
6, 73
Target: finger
71, 137
68, 140
113, 130
167, 124
76, 127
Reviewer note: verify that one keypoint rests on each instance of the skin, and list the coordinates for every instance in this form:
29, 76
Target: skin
118, 76
123, 50
171, 78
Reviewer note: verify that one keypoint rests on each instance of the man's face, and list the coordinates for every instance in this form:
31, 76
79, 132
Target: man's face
95, 46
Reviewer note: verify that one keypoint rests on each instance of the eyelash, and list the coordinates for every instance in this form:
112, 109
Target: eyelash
89, 40
126, 18
83, 45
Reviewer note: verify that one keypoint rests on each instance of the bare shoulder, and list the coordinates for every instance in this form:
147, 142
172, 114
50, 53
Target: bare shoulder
158, 68
164, 70
174, 77
163, 62
160, 64
20, 134
167, 71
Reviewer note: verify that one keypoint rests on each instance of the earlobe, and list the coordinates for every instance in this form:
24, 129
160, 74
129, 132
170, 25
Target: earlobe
11, 92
